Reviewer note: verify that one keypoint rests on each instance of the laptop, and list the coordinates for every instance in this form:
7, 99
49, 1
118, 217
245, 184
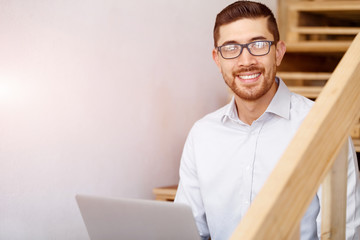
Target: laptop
133, 219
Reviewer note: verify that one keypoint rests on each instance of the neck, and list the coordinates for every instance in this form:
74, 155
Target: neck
250, 110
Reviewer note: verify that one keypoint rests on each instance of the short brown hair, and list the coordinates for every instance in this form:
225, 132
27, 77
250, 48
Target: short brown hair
245, 9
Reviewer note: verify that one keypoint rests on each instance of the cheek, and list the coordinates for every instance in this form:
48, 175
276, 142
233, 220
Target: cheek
226, 68
227, 74
271, 64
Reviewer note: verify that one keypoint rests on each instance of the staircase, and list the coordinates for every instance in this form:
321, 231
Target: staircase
317, 34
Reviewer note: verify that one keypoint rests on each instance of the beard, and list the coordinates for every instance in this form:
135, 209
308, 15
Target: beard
251, 92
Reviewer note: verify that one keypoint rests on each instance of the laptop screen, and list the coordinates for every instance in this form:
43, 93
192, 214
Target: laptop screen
133, 219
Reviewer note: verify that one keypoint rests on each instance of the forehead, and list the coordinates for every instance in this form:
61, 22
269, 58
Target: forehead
244, 31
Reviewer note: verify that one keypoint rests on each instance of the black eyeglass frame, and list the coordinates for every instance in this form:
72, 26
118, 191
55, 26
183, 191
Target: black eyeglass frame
247, 47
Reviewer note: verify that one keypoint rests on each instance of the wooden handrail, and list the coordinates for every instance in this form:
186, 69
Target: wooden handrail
278, 208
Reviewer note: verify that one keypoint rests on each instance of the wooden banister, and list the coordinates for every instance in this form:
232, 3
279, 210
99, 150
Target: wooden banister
278, 208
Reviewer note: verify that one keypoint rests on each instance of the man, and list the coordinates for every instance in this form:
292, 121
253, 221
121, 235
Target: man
229, 153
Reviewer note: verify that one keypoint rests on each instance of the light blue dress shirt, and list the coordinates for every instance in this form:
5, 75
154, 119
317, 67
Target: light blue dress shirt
225, 163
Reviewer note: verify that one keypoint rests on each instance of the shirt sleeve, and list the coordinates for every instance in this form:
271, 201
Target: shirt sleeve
189, 188
353, 198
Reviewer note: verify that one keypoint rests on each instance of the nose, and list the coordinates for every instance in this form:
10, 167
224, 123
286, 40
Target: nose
245, 58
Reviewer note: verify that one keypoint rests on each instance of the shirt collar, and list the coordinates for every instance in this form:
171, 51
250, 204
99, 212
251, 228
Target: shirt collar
279, 105
230, 111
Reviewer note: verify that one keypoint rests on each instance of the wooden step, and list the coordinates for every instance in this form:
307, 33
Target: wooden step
355, 133
318, 46
356, 144
165, 193
327, 30
327, 26
315, 6
307, 91
317, 76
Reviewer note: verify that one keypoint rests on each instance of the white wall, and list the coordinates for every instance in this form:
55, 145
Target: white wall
97, 97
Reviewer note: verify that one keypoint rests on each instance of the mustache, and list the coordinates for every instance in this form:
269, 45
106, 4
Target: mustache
247, 69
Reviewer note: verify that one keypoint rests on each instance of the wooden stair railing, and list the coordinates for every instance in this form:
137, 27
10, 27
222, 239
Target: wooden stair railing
278, 208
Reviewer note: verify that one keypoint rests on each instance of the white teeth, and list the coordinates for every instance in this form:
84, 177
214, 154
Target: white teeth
245, 77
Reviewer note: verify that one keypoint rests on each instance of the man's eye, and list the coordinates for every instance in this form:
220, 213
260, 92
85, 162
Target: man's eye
258, 44
230, 48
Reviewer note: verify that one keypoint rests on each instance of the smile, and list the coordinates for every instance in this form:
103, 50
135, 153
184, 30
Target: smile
247, 77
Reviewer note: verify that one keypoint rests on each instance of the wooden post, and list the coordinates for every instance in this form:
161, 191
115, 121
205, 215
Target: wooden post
333, 209
292, 23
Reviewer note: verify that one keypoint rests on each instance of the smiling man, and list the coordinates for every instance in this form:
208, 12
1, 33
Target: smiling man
230, 153
251, 73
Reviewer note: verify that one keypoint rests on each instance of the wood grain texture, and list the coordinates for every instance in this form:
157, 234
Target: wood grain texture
314, 6
333, 212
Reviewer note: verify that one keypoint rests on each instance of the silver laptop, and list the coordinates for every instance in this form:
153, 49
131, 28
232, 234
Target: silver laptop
129, 219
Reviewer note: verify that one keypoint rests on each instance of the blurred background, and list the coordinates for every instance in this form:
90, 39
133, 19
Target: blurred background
97, 97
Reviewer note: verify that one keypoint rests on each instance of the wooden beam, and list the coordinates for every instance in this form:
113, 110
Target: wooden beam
295, 235
307, 91
304, 75
318, 46
316, 6
327, 30
285, 196
282, 17
165, 193
357, 144
333, 223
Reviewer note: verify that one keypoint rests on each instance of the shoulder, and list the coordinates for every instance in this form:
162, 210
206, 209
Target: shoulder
300, 103
210, 121
299, 106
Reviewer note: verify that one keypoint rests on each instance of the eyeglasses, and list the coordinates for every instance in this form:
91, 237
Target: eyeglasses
257, 48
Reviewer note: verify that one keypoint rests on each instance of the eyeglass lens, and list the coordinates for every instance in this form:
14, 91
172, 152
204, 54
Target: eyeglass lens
258, 48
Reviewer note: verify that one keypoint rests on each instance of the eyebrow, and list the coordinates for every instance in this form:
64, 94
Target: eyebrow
251, 40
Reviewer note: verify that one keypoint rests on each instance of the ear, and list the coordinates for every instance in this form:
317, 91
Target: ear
280, 52
215, 56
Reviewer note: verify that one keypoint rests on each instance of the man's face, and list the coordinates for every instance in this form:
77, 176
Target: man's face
249, 77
